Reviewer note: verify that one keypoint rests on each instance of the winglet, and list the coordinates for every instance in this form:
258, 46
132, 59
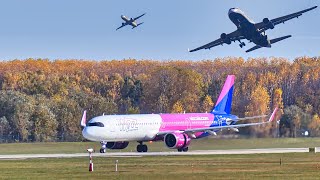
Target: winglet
84, 119
273, 114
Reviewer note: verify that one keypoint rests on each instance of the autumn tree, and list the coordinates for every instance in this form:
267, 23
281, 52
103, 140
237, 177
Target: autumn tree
259, 104
314, 126
206, 104
177, 107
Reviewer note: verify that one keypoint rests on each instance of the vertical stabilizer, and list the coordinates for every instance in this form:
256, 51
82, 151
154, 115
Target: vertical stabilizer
223, 104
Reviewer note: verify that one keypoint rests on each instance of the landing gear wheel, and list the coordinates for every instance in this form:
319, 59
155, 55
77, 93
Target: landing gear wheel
185, 149
242, 44
139, 148
103, 150
144, 148
179, 150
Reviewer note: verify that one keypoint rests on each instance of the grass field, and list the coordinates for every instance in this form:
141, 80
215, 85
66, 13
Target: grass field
257, 166
200, 144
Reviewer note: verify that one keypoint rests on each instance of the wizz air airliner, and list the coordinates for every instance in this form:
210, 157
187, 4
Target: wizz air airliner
176, 130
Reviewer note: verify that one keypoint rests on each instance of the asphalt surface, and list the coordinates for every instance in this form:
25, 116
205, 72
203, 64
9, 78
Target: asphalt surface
136, 154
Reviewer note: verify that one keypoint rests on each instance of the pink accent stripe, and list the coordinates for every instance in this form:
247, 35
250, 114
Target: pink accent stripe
226, 87
185, 121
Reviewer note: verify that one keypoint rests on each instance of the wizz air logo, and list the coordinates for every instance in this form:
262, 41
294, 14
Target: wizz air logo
128, 125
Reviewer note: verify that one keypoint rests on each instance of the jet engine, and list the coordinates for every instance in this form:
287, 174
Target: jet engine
117, 145
267, 22
177, 140
123, 24
225, 39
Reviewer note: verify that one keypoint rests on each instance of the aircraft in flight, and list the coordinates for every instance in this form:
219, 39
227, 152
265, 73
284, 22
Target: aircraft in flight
131, 21
253, 32
176, 130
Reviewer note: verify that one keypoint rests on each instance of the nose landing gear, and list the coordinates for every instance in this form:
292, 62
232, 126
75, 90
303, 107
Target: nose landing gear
142, 147
103, 147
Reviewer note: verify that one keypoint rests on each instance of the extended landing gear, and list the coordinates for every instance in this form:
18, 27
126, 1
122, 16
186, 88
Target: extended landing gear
142, 147
103, 147
185, 149
242, 44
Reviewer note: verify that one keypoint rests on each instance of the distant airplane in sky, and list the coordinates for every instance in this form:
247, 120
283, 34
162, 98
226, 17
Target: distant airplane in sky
253, 32
131, 21
176, 130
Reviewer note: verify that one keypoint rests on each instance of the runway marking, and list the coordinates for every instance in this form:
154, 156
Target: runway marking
172, 153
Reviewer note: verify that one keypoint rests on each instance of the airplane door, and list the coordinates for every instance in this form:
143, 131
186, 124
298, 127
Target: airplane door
112, 126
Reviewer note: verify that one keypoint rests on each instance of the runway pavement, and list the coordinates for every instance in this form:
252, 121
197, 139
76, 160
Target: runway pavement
171, 153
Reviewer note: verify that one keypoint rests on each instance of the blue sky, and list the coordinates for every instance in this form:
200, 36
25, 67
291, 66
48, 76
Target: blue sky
81, 29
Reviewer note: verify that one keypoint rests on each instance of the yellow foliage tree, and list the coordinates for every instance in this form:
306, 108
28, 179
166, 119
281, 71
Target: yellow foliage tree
177, 107
314, 126
259, 105
207, 104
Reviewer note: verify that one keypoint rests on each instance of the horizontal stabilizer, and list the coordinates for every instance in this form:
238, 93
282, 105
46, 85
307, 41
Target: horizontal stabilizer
253, 48
272, 41
139, 24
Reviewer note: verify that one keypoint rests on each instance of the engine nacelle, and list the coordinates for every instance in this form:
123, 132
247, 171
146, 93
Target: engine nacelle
177, 140
117, 145
225, 39
223, 36
267, 22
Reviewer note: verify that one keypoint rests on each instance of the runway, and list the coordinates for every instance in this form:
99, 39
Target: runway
171, 153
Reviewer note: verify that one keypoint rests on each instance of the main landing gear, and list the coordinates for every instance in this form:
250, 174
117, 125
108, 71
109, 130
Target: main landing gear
242, 44
103, 147
185, 149
142, 147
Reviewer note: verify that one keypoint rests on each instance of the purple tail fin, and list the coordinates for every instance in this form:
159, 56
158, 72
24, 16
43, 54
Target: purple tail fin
223, 104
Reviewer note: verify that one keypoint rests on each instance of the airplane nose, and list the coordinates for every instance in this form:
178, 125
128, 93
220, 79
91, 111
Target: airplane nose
88, 133
231, 10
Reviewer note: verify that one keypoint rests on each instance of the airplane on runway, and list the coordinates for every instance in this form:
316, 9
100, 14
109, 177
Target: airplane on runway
253, 32
131, 21
176, 130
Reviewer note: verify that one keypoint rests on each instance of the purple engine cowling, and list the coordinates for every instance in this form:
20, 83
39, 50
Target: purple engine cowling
177, 140
117, 145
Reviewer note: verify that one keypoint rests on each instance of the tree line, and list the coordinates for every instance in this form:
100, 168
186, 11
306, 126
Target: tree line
43, 100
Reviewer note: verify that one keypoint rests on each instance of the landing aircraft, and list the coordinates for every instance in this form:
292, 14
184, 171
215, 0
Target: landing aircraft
131, 21
253, 32
176, 130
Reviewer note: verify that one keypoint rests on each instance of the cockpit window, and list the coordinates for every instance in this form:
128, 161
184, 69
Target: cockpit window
99, 124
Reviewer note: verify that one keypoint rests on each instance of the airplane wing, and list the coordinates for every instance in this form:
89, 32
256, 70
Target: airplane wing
234, 36
208, 129
123, 25
139, 16
263, 26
